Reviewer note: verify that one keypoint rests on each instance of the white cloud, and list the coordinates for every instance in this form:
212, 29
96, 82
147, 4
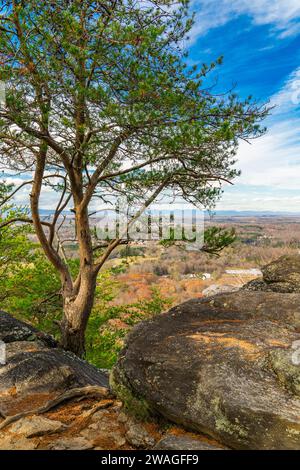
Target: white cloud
49, 198
274, 159
241, 199
283, 15
289, 96
272, 162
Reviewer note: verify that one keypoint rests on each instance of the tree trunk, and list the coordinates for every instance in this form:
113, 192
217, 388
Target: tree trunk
73, 338
77, 310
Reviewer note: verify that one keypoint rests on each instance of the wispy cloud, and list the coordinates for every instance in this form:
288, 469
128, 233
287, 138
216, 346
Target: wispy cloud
288, 98
274, 159
282, 15
271, 165
259, 198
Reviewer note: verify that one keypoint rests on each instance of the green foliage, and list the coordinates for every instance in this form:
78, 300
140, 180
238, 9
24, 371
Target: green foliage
31, 291
218, 238
215, 239
30, 288
14, 243
105, 339
29, 285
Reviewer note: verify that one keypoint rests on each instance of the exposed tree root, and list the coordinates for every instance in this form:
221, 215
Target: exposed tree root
98, 407
83, 392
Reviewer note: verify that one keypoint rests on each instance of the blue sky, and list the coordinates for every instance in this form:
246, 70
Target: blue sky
260, 42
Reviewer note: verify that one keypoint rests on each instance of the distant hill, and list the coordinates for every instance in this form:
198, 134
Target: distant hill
254, 213
221, 213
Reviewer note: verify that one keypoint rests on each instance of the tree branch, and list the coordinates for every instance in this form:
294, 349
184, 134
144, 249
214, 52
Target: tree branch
23, 220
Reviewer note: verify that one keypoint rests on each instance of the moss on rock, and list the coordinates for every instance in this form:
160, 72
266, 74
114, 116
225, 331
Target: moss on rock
135, 405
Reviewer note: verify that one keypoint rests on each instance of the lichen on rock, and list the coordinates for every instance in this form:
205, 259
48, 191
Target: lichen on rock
220, 366
134, 405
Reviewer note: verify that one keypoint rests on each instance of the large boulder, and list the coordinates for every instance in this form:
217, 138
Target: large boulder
47, 403
226, 366
33, 372
282, 275
12, 330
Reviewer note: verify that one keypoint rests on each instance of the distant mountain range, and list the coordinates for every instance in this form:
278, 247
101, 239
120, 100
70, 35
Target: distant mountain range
218, 213
230, 213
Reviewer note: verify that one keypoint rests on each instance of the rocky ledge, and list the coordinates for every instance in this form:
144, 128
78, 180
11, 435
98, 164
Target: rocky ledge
226, 366
36, 370
225, 369
282, 275
50, 399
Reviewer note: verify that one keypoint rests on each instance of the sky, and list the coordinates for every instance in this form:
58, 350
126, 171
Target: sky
260, 42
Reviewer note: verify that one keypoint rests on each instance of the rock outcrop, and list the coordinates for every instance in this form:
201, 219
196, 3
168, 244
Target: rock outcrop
36, 370
225, 369
226, 366
50, 399
12, 330
282, 275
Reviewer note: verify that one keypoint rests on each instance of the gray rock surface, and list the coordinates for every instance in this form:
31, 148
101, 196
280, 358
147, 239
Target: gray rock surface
36, 426
12, 330
138, 436
222, 366
35, 373
215, 289
183, 443
282, 275
71, 443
